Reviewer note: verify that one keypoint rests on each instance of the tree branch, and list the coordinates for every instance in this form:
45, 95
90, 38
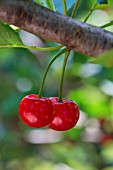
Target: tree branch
52, 26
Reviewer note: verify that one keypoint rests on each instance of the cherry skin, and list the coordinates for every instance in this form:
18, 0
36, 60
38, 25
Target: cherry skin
66, 114
36, 112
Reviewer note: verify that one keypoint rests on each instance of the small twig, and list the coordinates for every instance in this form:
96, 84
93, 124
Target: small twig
90, 12
107, 25
64, 6
75, 8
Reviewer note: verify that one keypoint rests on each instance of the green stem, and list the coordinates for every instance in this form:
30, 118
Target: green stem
107, 25
33, 47
44, 49
47, 69
90, 12
64, 6
75, 8
62, 76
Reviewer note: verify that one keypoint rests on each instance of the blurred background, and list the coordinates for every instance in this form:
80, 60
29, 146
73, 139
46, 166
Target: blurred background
89, 145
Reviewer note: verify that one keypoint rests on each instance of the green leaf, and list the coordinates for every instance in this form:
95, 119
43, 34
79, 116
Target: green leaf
106, 59
47, 3
50, 5
41, 2
8, 37
102, 1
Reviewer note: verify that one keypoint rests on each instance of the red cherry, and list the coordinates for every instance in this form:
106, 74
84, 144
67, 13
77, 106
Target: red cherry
36, 112
66, 114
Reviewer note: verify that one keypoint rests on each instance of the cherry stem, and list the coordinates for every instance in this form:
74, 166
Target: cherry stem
107, 25
64, 6
75, 8
47, 69
90, 12
63, 71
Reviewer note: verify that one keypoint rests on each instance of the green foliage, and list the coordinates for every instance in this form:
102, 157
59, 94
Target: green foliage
47, 3
8, 37
105, 59
91, 100
41, 2
50, 4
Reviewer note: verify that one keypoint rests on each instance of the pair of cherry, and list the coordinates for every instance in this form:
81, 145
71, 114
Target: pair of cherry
41, 112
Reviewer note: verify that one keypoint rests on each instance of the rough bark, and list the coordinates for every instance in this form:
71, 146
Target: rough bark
52, 26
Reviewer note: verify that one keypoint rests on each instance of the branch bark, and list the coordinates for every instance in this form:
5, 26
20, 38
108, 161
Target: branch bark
52, 26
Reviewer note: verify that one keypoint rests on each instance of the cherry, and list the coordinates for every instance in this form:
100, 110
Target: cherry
66, 114
36, 112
